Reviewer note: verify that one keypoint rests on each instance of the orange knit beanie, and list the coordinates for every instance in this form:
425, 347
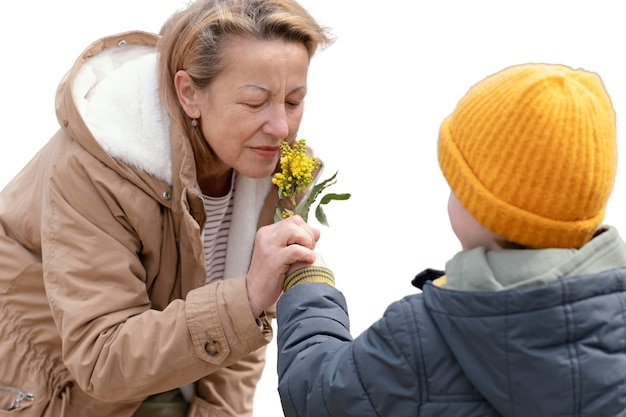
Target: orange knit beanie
531, 154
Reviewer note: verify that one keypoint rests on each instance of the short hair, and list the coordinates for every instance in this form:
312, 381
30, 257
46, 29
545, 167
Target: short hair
194, 40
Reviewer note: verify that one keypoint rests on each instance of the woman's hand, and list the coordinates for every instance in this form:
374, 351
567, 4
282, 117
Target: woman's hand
319, 261
276, 248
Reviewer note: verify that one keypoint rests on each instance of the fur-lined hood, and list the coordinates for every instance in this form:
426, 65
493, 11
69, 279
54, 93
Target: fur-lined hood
109, 102
116, 94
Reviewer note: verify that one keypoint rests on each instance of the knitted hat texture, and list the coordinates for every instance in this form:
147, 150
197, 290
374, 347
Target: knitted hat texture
530, 152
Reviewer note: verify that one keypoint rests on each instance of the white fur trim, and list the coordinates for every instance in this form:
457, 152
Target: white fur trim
250, 195
117, 94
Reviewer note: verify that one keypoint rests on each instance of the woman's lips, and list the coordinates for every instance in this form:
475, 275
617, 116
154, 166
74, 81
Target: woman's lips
266, 151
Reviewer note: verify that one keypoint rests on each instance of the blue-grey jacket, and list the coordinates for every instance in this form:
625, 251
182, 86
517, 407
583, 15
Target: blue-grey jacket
553, 348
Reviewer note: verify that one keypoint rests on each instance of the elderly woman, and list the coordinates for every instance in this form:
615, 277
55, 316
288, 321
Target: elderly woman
137, 246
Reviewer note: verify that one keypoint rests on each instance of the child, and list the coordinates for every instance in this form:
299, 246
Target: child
530, 318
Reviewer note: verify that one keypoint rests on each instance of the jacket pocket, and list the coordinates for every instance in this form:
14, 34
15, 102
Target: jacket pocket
14, 399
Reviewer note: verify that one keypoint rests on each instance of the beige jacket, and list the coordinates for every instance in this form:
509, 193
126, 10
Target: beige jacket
102, 296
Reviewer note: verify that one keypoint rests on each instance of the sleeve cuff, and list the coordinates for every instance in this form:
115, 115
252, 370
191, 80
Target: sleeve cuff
309, 274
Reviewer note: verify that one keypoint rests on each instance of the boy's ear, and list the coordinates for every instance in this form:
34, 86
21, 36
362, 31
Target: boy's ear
187, 93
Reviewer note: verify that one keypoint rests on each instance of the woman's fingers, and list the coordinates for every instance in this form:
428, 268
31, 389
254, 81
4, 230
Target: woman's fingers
299, 232
277, 246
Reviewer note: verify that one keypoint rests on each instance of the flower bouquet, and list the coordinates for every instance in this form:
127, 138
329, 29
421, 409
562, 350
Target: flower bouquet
297, 184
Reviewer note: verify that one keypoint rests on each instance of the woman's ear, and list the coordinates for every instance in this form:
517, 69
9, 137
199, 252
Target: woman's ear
187, 93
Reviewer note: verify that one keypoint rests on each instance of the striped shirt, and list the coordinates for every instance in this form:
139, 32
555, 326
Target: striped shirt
218, 211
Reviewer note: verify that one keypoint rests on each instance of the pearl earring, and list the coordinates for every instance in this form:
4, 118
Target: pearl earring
194, 122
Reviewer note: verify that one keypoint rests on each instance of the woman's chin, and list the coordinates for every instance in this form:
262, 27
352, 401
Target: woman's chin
257, 172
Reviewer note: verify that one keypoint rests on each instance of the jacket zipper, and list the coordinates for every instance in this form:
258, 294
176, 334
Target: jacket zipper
19, 396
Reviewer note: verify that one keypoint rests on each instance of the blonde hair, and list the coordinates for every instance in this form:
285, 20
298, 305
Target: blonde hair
194, 40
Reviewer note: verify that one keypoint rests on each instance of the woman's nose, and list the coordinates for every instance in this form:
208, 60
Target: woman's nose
277, 125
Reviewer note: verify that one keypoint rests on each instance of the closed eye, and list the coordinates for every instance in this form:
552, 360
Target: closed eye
254, 106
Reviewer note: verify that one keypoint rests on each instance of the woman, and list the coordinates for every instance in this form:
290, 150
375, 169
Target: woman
130, 262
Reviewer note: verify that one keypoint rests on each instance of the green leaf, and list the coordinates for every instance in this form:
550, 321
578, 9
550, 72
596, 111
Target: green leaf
332, 196
321, 216
305, 205
304, 214
319, 211
278, 215
315, 192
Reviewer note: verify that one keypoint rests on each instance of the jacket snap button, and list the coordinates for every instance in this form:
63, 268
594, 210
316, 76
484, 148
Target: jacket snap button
167, 195
212, 347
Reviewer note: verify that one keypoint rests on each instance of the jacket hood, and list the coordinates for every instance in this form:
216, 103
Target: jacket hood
109, 102
482, 270
543, 350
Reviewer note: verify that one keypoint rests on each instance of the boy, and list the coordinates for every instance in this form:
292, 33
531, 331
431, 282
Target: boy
530, 317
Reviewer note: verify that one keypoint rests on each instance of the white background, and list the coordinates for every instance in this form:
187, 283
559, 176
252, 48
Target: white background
376, 99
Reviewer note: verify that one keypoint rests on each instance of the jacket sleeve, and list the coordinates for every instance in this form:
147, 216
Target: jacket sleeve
230, 391
114, 344
324, 372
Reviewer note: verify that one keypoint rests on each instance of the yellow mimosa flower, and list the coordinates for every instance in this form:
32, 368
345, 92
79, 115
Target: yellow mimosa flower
296, 175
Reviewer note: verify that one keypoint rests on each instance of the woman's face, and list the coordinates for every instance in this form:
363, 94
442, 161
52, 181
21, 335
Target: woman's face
254, 104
